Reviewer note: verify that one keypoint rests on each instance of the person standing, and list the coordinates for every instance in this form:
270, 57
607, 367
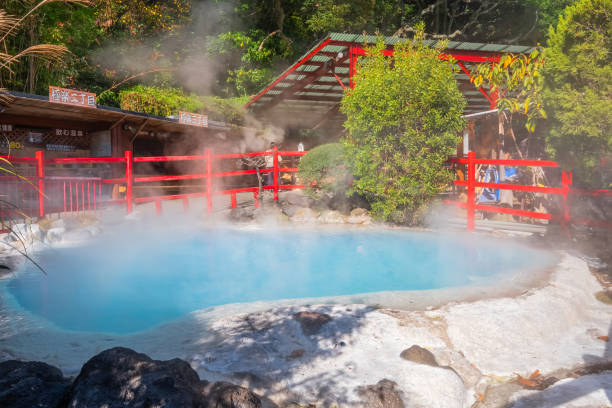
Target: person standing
270, 164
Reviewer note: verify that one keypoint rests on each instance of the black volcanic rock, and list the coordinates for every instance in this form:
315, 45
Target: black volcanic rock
31, 384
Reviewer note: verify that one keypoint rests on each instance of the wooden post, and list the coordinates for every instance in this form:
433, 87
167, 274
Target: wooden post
40, 167
566, 182
471, 190
129, 179
275, 171
209, 191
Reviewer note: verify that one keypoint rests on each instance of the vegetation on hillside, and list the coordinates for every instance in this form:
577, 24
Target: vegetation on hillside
578, 91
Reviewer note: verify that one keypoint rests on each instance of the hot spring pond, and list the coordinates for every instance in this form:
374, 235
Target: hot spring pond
124, 283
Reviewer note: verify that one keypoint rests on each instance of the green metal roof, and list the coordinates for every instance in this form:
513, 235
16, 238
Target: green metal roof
310, 102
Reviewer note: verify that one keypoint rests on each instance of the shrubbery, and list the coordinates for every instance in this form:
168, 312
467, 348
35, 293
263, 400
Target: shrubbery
578, 91
325, 168
403, 120
158, 101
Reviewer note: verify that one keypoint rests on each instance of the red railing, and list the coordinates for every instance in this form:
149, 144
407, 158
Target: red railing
66, 194
566, 182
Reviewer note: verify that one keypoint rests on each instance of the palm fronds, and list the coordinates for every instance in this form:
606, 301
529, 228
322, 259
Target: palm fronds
18, 22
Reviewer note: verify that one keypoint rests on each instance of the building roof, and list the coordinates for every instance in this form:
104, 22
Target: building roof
25, 106
309, 91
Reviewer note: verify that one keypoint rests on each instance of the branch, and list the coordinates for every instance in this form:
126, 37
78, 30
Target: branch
140, 74
267, 36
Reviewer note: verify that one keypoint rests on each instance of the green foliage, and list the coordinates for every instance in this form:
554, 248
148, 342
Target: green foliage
229, 110
517, 79
158, 101
169, 101
325, 168
578, 89
403, 119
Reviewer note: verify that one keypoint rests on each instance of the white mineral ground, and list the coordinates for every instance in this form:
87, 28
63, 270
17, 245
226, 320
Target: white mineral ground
486, 343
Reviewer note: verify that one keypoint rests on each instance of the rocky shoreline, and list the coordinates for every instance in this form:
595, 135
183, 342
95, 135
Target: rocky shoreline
117, 377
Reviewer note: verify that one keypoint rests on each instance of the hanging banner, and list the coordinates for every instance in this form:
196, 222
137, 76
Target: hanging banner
72, 97
193, 119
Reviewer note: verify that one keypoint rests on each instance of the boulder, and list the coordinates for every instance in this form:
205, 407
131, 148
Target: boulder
296, 198
305, 215
242, 214
226, 395
331, 217
419, 355
359, 216
120, 377
289, 209
31, 384
384, 394
26, 232
312, 322
55, 234
358, 212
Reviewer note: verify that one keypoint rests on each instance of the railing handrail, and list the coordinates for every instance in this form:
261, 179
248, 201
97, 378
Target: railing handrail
566, 189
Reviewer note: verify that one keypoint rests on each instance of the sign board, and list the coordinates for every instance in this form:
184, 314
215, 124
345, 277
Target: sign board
72, 97
70, 132
193, 119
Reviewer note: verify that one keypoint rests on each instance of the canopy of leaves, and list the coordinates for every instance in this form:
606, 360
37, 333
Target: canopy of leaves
158, 101
403, 119
517, 81
578, 90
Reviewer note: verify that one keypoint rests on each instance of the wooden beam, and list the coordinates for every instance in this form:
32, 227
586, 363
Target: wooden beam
117, 123
137, 132
332, 112
314, 98
301, 84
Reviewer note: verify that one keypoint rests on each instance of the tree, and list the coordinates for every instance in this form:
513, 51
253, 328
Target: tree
58, 24
578, 90
517, 82
403, 120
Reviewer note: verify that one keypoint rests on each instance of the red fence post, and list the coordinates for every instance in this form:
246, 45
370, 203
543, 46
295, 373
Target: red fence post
40, 169
471, 190
129, 179
566, 182
208, 181
275, 171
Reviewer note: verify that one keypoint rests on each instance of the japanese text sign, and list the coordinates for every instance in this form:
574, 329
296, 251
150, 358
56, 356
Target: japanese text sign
72, 97
193, 119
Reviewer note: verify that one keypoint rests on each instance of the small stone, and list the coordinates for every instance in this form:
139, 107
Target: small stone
296, 354
312, 322
227, 395
384, 394
419, 355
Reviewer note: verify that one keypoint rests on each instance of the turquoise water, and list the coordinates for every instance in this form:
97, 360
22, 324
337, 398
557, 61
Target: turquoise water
137, 282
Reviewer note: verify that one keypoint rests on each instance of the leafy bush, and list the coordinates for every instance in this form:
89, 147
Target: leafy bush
578, 90
403, 119
325, 168
158, 101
